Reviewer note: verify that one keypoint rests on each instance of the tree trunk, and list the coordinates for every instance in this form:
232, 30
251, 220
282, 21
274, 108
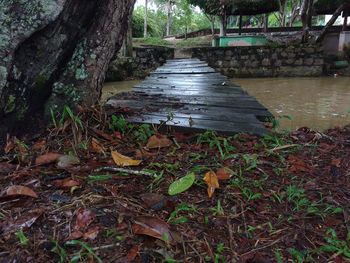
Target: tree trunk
306, 18
223, 25
168, 22
345, 25
330, 23
240, 25
266, 22
145, 24
57, 56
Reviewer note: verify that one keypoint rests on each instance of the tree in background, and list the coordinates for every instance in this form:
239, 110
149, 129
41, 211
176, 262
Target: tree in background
145, 25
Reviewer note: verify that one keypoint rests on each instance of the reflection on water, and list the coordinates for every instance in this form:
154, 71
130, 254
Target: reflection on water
112, 88
318, 103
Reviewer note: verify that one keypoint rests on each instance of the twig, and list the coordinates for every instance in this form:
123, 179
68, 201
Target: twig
284, 147
106, 246
260, 248
123, 170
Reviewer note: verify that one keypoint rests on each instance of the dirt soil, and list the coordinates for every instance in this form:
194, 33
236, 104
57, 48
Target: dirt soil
71, 195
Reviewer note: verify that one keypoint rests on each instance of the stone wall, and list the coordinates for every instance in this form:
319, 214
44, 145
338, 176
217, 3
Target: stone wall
292, 61
144, 60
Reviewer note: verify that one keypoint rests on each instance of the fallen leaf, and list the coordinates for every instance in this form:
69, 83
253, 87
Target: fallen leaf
75, 235
132, 254
10, 145
182, 184
66, 183
6, 168
84, 218
118, 135
336, 162
122, 160
39, 145
96, 146
224, 173
16, 190
91, 234
298, 165
212, 181
154, 201
47, 158
26, 220
158, 141
154, 227
67, 161
142, 154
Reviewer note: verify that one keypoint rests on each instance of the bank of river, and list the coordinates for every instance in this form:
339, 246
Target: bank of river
318, 103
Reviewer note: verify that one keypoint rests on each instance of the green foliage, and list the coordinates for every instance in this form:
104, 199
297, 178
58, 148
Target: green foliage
194, 42
156, 22
143, 132
176, 218
218, 257
182, 184
336, 246
218, 209
23, 240
60, 251
221, 144
118, 123
84, 252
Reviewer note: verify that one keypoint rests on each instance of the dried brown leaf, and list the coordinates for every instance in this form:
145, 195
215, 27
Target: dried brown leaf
154, 227
212, 181
66, 183
16, 190
84, 218
47, 158
67, 161
224, 173
96, 146
92, 233
158, 141
122, 160
26, 220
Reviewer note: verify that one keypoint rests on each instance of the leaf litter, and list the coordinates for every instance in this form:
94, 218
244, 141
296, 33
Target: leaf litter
290, 204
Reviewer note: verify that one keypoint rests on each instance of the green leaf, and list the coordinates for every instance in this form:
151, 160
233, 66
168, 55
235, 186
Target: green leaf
182, 184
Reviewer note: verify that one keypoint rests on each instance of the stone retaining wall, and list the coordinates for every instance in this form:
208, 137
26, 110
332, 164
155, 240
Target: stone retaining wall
144, 60
292, 61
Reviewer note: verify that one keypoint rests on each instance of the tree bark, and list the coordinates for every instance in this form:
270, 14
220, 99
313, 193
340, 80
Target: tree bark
223, 25
168, 22
306, 16
266, 22
55, 54
145, 24
334, 17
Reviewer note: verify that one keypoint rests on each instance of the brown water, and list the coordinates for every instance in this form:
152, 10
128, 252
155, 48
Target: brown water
318, 103
112, 88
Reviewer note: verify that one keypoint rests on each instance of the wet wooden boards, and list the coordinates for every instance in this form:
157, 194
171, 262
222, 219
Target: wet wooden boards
188, 95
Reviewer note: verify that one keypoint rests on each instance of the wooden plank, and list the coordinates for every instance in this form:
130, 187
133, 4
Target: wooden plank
156, 106
187, 86
193, 91
202, 95
183, 124
174, 103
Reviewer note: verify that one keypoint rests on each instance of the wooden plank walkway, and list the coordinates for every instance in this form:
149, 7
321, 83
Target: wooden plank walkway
188, 95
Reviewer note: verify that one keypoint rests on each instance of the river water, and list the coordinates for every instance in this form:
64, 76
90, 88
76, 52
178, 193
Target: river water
318, 103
